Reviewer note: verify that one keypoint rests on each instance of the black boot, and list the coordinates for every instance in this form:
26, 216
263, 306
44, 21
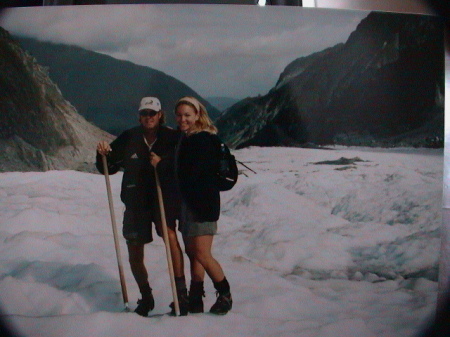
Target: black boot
196, 294
182, 303
180, 284
224, 302
147, 302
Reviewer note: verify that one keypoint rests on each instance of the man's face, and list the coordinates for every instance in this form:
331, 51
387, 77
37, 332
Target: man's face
149, 119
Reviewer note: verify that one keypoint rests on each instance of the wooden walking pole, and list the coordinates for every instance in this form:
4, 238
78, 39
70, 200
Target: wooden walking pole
114, 228
167, 244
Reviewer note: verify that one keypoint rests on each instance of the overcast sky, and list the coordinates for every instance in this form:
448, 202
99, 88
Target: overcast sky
217, 50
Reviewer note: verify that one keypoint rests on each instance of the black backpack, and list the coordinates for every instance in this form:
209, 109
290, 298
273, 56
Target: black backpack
227, 173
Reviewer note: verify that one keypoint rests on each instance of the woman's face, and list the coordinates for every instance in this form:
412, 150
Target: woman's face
186, 117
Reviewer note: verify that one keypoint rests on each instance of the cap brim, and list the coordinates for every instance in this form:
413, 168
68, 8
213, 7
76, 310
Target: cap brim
146, 109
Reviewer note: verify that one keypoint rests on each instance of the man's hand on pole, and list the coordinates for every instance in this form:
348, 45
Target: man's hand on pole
154, 159
103, 148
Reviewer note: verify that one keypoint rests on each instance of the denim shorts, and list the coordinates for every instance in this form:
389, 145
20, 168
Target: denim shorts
190, 227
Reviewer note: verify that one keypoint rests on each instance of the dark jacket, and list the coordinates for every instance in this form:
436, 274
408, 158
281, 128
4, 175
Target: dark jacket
130, 153
197, 165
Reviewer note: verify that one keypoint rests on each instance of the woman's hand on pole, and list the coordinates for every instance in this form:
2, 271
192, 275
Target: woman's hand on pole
154, 159
103, 148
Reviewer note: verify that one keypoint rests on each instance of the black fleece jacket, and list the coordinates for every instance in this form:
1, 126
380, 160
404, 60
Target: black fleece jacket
198, 161
130, 153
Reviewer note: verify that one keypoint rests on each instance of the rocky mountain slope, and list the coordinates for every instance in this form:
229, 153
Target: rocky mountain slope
383, 87
39, 129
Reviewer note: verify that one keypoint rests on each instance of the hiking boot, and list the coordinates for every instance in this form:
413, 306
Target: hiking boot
223, 304
145, 305
183, 303
196, 301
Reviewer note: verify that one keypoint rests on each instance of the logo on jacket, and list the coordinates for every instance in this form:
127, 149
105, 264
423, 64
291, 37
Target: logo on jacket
134, 156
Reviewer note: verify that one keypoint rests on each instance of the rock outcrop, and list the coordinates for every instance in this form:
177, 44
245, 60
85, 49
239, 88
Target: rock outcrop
39, 129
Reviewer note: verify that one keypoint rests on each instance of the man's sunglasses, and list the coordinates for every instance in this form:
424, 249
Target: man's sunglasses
148, 113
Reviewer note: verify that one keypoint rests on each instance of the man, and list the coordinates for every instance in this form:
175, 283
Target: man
139, 151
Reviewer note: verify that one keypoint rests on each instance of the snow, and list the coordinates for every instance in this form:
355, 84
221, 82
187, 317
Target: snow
311, 250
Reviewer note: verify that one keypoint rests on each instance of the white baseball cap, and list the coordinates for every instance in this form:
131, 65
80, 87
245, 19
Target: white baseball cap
150, 103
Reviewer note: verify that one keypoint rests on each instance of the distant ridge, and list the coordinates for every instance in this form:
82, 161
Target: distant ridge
221, 103
383, 87
105, 90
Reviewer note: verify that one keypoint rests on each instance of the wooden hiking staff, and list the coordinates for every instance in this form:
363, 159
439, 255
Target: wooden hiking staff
167, 244
114, 228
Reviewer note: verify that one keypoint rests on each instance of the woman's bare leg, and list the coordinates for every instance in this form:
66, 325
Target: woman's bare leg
199, 248
176, 252
197, 270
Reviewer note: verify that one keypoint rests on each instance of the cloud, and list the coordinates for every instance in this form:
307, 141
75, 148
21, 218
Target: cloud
216, 49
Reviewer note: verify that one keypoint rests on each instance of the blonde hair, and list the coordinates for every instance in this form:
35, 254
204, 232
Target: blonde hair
204, 123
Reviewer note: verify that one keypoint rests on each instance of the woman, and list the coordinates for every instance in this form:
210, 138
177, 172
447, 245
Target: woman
197, 163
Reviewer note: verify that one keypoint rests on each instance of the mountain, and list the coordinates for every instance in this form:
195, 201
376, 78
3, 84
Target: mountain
221, 103
39, 129
105, 90
383, 87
